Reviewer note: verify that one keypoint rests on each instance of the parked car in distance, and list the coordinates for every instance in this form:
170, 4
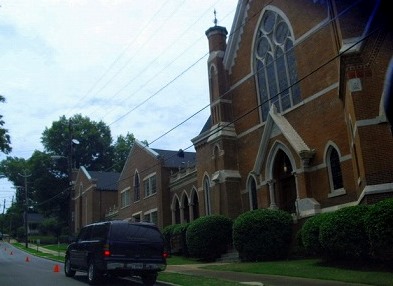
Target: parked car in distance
117, 248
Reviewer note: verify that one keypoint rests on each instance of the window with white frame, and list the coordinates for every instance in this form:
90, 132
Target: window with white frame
275, 64
125, 198
206, 189
136, 217
334, 169
151, 216
150, 185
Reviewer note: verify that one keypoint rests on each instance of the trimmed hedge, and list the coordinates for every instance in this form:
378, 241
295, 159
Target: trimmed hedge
179, 233
209, 236
343, 235
379, 229
263, 234
168, 235
310, 234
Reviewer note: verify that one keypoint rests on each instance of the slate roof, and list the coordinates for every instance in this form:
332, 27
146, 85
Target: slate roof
207, 126
176, 159
105, 180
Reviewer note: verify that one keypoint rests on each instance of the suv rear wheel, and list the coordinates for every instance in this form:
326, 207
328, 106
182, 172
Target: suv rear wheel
93, 276
149, 279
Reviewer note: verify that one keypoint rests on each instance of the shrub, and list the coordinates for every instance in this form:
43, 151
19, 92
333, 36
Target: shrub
342, 234
209, 236
168, 233
20, 233
263, 234
379, 229
179, 234
310, 234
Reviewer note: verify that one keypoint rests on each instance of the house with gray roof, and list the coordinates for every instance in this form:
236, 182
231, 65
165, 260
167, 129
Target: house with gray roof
94, 194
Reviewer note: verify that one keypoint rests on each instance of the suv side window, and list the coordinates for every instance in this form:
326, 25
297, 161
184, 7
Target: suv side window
99, 232
84, 234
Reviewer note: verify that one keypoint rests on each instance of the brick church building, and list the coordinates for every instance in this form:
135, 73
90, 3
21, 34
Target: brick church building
296, 120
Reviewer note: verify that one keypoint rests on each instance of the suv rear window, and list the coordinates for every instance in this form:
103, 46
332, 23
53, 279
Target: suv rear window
127, 232
100, 232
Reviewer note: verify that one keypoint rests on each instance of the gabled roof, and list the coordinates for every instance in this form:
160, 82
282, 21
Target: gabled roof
281, 123
104, 180
235, 34
176, 159
207, 126
170, 159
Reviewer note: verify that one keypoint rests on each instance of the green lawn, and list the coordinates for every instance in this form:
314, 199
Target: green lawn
316, 269
308, 268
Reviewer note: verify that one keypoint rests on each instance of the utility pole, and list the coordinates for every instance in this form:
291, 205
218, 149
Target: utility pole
2, 222
25, 176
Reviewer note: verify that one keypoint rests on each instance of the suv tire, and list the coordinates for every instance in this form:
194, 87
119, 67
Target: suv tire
149, 279
93, 275
67, 268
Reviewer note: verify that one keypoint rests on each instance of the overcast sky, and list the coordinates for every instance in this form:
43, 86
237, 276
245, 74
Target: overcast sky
138, 66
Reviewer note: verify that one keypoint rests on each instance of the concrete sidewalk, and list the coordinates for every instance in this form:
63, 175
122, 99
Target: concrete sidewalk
45, 250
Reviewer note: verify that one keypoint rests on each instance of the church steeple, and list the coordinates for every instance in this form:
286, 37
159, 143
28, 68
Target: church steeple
218, 84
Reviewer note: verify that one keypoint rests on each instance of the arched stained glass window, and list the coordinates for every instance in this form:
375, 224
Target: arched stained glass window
137, 188
276, 72
206, 189
335, 173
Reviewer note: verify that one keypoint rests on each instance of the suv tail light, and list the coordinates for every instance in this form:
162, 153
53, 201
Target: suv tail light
107, 252
165, 254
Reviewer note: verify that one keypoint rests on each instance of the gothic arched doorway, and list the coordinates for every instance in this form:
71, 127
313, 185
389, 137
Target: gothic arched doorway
186, 210
195, 205
177, 211
285, 187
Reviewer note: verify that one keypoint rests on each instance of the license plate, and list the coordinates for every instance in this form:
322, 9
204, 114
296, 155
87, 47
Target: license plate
136, 266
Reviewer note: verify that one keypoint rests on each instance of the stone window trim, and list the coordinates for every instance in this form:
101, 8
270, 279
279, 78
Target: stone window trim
275, 64
125, 199
137, 186
150, 185
333, 165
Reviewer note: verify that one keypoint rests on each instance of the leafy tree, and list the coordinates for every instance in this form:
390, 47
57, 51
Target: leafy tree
12, 167
49, 171
51, 226
5, 139
13, 219
84, 142
46, 191
122, 148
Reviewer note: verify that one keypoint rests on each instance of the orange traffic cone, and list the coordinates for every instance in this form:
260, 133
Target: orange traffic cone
27, 259
56, 268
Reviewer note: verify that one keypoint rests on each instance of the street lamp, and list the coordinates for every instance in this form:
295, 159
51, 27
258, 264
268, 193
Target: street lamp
25, 176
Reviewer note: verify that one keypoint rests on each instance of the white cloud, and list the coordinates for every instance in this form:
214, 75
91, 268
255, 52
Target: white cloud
103, 59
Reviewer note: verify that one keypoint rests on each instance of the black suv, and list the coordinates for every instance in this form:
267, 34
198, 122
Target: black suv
117, 248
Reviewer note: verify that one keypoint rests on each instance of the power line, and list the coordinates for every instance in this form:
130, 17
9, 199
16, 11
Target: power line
172, 61
278, 94
111, 66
